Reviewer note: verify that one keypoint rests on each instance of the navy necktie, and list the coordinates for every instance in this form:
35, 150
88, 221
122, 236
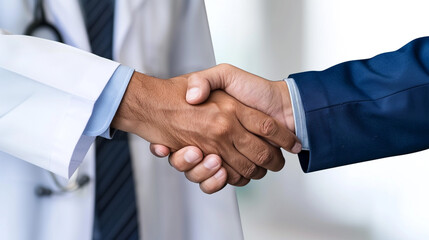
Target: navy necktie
115, 199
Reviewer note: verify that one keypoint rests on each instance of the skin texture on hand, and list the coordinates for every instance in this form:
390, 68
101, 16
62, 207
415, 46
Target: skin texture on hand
157, 111
269, 97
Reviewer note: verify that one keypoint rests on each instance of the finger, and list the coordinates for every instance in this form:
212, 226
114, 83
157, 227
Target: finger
214, 183
243, 182
186, 158
241, 164
259, 151
159, 150
234, 178
263, 125
205, 169
261, 173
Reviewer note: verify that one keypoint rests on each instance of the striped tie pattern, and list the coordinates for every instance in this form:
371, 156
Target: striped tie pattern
115, 199
99, 24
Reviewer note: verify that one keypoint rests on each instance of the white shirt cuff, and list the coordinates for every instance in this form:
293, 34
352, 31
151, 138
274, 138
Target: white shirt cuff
298, 113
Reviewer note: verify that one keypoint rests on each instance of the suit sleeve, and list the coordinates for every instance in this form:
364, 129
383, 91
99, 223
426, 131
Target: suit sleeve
47, 95
367, 109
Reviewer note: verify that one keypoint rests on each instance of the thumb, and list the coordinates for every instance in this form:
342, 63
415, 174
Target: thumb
200, 84
198, 89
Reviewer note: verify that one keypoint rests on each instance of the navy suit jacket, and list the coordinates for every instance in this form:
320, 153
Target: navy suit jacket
367, 109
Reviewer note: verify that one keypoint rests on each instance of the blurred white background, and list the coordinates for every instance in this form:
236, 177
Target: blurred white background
383, 199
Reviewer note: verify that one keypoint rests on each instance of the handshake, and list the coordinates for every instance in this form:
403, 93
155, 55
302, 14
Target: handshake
221, 125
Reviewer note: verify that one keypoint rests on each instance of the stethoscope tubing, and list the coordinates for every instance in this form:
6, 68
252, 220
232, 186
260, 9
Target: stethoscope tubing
40, 22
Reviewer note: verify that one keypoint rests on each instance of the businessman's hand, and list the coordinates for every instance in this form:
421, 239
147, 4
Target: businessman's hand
156, 110
270, 97
256, 92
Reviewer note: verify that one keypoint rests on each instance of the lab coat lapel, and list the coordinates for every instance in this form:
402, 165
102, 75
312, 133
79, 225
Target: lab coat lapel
67, 16
72, 214
124, 14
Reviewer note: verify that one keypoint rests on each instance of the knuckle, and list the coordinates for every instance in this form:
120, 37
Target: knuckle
261, 174
180, 168
243, 182
207, 189
178, 165
234, 179
264, 157
222, 125
268, 127
225, 66
229, 107
280, 166
227, 70
194, 76
250, 171
243, 140
193, 177
290, 141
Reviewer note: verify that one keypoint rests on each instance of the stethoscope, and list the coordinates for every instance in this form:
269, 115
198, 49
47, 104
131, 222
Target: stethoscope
40, 22
73, 185
79, 181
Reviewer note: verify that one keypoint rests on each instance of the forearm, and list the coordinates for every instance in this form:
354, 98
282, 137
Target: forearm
367, 109
145, 106
44, 109
134, 95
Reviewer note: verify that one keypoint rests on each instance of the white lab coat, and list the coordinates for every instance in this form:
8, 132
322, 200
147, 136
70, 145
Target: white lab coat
47, 92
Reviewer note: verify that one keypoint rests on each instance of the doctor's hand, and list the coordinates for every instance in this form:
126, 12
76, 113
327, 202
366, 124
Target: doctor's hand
156, 110
267, 96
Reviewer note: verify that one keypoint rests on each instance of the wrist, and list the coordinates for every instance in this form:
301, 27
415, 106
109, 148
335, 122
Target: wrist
133, 109
151, 107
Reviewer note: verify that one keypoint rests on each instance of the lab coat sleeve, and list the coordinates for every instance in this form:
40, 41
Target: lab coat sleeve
108, 103
367, 109
47, 95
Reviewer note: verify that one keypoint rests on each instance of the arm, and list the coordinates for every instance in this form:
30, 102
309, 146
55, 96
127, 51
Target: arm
157, 111
367, 109
354, 112
250, 89
46, 110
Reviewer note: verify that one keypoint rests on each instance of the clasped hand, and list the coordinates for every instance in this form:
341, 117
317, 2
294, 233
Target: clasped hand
218, 141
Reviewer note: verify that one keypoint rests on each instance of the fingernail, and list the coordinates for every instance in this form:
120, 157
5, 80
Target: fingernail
191, 156
297, 148
219, 174
159, 153
192, 94
211, 163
